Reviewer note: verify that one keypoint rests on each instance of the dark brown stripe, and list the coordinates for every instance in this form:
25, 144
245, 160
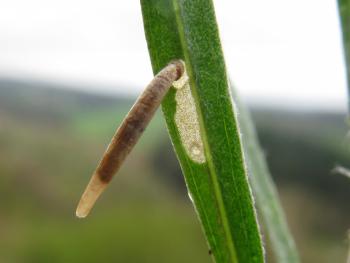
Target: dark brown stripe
137, 120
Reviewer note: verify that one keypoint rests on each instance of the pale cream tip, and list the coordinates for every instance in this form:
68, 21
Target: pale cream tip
92, 192
79, 214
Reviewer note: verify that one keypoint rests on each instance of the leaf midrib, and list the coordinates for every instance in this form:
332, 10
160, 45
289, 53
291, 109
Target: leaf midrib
203, 133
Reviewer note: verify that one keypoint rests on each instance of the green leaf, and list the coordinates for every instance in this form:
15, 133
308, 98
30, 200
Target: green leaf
264, 190
187, 30
344, 10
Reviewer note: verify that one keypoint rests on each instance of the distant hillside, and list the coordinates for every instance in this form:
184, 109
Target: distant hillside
41, 100
51, 139
294, 142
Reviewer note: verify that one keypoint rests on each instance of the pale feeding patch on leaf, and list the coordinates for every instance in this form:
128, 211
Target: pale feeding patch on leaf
186, 120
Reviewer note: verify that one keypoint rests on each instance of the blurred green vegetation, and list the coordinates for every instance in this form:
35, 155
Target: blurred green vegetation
51, 140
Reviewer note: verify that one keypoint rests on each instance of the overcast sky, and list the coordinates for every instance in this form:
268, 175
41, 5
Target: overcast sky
277, 51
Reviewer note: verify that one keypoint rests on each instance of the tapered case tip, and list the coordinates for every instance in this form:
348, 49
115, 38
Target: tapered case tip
92, 192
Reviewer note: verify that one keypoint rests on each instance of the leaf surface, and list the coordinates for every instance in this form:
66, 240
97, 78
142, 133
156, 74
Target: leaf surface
219, 186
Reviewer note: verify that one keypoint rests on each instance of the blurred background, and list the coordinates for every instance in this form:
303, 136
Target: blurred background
70, 71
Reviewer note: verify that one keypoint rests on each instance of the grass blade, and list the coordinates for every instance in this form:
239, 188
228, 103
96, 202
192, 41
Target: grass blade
219, 187
344, 11
264, 190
